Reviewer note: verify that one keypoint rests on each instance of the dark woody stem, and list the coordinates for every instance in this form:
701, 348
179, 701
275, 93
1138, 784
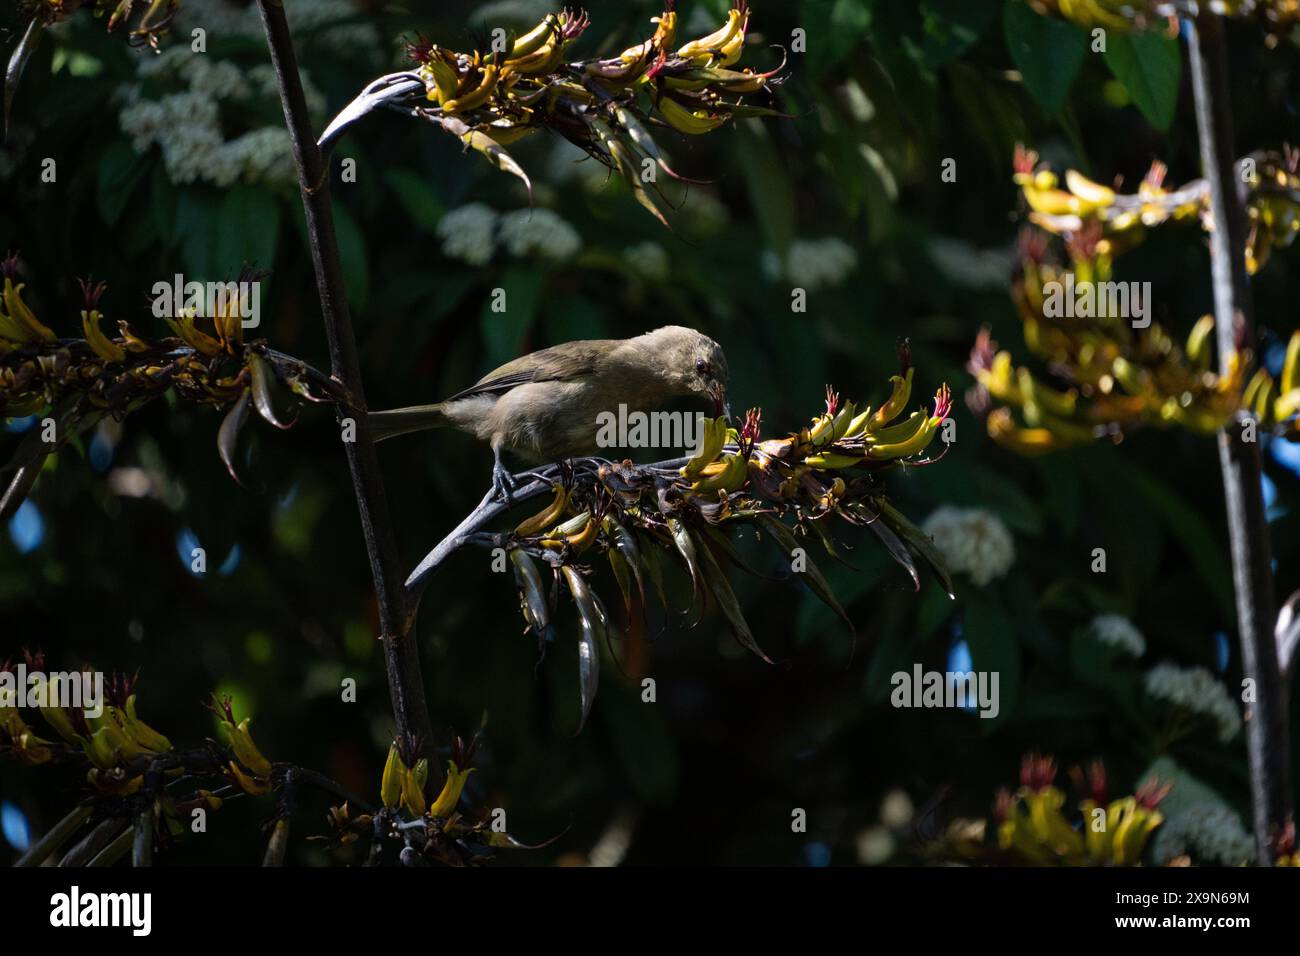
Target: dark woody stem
396, 617
1239, 460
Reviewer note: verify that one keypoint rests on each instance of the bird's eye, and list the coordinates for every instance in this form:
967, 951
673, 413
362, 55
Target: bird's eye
703, 367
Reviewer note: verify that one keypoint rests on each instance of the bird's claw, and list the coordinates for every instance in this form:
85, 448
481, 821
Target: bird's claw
503, 485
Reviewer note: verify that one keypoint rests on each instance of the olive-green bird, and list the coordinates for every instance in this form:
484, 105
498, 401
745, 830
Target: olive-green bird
544, 406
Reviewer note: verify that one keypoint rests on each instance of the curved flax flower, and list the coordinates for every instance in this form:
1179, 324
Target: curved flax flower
74, 383
1275, 16
1108, 375
1038, 825
140, 786
493, 97
632, 516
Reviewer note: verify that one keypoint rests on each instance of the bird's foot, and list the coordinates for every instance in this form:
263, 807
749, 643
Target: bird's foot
503, 485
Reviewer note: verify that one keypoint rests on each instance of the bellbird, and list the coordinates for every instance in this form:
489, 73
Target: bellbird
544, 406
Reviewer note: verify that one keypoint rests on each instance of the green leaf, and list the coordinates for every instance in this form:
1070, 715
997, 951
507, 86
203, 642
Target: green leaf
641, 742
811, 575
1203, 547
418, 197
769, 184
933, 610
1150, 65
575, 317
248, 230
991, 108
1002, 496
1062, 498
895, 651
994, 646
897, 550
504, 331
119, 170
952, 27
720, 587
352, 253
834, 30
1046, 51
1092, 661
162, 206
918, 541
196, 217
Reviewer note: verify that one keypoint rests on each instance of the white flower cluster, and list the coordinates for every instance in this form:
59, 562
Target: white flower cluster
1208, 833
219, 79
526, 232
316, 23
813, 263
472, 233
468, 233
1195, 689
1115, 630
972, 541
186, 125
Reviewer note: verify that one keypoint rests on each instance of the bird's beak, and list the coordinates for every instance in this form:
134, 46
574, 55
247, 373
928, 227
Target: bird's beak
720, 404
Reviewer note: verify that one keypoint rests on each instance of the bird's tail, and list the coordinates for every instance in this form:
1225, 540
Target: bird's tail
399, 421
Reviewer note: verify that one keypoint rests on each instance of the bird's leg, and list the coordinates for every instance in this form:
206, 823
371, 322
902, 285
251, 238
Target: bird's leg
503, 485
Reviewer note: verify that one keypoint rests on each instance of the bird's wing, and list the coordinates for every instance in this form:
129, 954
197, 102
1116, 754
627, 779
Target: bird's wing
559, 363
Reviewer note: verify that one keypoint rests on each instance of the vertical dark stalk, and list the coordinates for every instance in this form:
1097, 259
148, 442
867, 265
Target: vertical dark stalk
1240, 461
405, 683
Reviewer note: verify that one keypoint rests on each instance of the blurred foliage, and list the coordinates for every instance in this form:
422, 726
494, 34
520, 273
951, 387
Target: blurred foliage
164, 166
